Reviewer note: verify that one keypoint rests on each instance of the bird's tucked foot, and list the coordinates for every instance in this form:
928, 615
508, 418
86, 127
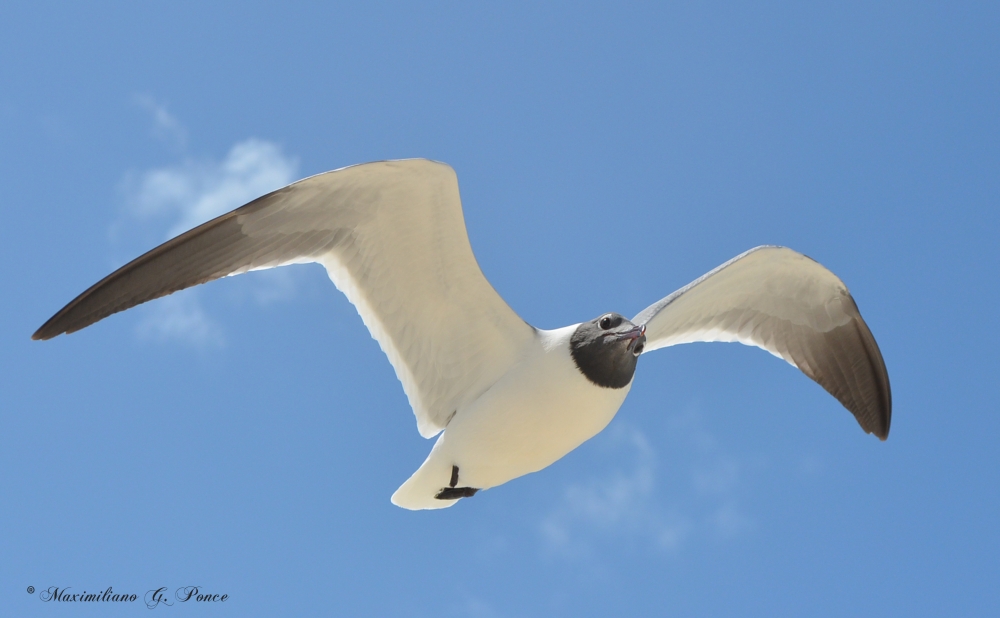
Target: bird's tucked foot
454, 493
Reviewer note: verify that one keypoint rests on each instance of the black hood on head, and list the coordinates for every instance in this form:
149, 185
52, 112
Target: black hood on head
602, 355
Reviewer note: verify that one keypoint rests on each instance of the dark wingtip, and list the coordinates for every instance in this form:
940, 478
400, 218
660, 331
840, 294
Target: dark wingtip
56, 325
884, 434
883, 403
45, 332
882, 431
885, 411
880, 427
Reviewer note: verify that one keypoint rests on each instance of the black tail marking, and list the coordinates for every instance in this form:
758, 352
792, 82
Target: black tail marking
454, 493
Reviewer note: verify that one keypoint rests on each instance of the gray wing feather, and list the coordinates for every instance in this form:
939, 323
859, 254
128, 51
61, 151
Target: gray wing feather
790, 305
392, 238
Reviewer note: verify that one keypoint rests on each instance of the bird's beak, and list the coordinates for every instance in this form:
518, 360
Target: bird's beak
635, 336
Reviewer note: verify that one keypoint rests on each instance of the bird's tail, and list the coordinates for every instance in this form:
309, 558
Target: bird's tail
430, 479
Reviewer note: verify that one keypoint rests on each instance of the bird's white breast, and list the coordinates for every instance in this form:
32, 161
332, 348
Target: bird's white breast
542, 409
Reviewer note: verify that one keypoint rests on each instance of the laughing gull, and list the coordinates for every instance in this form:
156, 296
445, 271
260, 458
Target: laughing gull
506, 398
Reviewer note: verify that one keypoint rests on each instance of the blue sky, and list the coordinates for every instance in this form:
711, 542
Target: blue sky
246, 436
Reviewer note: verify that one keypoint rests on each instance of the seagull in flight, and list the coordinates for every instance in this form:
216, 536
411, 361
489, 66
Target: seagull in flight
505, 398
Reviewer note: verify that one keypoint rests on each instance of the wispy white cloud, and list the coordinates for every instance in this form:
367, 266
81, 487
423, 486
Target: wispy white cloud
165, 126
714, 477
193, 192
620, 505
272, 286
180, 318
172, 199
646, 503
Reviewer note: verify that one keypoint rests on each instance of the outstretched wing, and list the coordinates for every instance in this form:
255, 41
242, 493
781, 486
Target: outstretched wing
392, 238
790, 305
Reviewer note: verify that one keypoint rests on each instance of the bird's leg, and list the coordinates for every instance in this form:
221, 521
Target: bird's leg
454, 493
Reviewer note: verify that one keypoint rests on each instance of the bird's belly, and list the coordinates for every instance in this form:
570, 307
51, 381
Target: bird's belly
531, 418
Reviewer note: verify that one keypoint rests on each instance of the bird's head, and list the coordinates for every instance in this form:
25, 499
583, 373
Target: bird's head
606, 349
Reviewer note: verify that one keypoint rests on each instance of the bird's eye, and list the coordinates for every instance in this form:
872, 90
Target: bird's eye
605, 322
